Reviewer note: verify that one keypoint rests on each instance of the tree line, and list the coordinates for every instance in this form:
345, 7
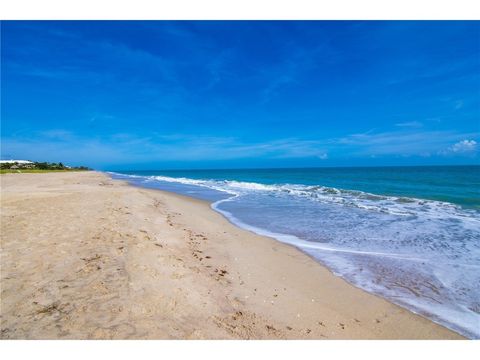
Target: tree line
40, 166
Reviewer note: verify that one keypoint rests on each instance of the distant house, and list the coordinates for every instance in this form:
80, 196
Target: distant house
15, 162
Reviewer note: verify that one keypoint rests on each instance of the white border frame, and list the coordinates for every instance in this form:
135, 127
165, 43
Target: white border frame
240, 9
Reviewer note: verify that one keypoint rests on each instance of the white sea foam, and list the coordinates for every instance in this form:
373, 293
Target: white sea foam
404, 206
459, 317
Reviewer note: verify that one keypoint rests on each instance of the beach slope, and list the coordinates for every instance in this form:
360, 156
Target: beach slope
87, 257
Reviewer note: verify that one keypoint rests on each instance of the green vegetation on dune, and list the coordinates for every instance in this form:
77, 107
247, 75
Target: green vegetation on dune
13, 171
37, 167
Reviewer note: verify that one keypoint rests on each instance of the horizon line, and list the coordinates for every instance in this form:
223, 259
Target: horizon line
289, 168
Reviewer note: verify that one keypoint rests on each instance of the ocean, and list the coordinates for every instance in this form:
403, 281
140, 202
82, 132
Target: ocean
408, 234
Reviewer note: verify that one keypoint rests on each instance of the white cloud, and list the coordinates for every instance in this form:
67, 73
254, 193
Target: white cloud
464, 146
323, 156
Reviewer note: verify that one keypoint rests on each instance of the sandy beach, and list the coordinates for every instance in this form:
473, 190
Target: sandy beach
87, 257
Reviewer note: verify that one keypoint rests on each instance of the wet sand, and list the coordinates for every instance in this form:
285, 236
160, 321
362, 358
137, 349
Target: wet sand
87, 257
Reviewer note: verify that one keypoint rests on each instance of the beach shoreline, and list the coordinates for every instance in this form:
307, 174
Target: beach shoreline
88, 257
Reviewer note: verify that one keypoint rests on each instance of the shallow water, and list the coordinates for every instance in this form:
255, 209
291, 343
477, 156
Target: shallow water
411, 235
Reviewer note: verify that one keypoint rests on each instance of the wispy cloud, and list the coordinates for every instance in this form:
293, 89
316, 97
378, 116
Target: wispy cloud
289, 70
125, 148
459, 104
57, 134
410, 124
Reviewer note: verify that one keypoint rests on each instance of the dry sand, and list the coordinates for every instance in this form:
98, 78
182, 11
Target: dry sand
86, 257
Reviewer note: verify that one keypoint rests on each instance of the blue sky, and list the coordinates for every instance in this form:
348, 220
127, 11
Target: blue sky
153, 95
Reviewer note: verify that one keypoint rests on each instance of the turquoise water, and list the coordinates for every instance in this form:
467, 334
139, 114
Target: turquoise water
456, 184
409, 234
